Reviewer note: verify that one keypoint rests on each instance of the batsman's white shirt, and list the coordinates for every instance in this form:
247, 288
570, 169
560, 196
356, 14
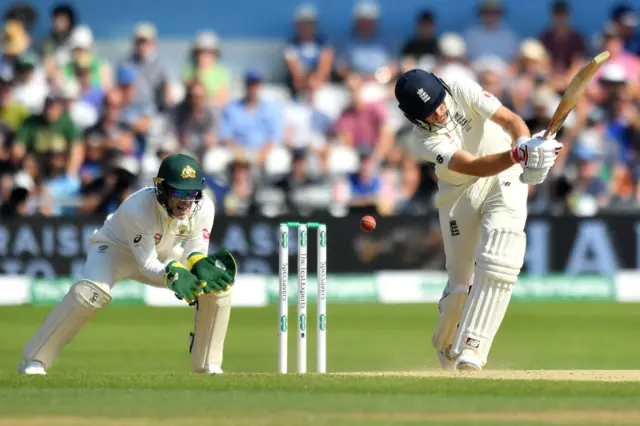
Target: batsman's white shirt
469, 206
140, 239
474, 133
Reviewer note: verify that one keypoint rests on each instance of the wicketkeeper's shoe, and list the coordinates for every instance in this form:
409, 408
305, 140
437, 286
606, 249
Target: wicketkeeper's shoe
212, 369
469, 361
32, 368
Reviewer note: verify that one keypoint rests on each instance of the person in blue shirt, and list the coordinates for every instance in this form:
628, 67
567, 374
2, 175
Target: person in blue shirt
307, 52
367, 52
252, 126
365, 183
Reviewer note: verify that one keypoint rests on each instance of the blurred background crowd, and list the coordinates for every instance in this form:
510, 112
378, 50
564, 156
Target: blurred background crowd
82, 127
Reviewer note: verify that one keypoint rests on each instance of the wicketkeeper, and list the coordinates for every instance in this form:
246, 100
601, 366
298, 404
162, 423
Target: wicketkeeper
158, 236
484, 157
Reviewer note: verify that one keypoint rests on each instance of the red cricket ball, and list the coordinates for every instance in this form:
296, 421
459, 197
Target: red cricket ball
367, 223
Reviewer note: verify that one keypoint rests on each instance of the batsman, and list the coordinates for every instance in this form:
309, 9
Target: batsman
159, 236
484, 158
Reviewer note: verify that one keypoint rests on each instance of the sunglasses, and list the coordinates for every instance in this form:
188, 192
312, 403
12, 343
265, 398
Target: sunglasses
183, 195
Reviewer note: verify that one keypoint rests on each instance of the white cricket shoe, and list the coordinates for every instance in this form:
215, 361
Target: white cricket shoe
212, 369
447, 363
469, 361
32, 368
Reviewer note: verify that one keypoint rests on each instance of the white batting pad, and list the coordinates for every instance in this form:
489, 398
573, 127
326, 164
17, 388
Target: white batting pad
498, 265
450, 306
78, 306
210, 329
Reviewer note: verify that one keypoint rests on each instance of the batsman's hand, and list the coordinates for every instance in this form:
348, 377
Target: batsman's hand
218, 270
182, 282
536, 153
534, 176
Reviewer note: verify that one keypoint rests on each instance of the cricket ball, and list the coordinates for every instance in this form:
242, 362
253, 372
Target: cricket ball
367, 223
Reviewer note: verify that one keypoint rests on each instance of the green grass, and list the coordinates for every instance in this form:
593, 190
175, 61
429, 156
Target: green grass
130, 366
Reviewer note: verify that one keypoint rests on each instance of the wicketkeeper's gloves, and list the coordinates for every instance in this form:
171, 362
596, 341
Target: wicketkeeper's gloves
183, 283
218, 270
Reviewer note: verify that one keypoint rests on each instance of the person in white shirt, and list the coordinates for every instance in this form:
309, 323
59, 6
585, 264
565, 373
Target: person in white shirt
484, 157
150, 238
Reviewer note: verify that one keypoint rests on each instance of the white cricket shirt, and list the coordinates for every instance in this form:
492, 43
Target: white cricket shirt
142, 226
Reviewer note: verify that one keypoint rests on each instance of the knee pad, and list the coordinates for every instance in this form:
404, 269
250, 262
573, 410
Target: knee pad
77, 307
501, 255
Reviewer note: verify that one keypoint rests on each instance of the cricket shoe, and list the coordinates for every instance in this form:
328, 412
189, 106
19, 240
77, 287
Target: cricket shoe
32, 368
469, 361
447, 363
212, 369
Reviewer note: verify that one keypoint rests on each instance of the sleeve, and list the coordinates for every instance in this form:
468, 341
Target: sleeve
438, 149
290, 50
226, 123
276, 123
23, 134
482, 102
201, 231
142, 245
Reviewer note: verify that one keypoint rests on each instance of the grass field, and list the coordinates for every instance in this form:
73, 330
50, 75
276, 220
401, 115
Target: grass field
130, 366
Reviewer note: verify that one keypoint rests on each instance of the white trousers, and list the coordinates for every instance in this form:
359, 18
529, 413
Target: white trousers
494, 202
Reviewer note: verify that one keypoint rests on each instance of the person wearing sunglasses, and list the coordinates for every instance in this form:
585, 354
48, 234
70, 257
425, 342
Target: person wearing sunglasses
158, 236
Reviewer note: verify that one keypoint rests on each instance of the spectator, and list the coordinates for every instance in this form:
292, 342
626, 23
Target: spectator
50, 134
454, 64
238, 196
56, 49
82, 113
364, 185
136, 116
614, 44
531, 71
364, 125
491, 37
108, 134
305, 127
116, 183
623, 113
7, 135
195, 121
297, 183
30, 86
307, 53
565, 45
82, 52
422, 50
251, 125
204, 65
15, 41
92, 95
628, 21
588, 191
367, 52
16, 205
152, 84
11, 112
492, 75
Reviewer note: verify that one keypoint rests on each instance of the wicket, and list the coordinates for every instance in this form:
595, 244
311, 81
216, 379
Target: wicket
283, 305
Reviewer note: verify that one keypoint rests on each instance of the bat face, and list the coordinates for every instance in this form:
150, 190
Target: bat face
574, 91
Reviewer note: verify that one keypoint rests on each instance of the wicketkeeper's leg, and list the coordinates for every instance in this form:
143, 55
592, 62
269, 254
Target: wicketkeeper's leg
211, 320
79, 305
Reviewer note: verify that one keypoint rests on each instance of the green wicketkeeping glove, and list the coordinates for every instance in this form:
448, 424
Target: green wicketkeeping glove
213, 270
183, 283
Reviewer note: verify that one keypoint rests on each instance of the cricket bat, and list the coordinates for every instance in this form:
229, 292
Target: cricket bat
574, 91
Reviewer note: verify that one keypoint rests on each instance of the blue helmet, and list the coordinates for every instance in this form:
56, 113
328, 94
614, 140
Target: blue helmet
419, 94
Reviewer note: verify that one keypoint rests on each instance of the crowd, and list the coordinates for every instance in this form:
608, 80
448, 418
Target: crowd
79, 133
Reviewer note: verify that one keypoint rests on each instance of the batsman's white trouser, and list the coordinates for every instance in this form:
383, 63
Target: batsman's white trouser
484, 225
